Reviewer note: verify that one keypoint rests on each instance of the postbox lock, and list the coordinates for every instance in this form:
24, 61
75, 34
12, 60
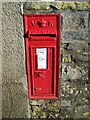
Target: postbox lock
42, 23
39, 74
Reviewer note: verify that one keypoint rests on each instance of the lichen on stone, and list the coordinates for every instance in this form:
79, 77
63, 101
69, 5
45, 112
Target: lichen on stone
82, 5
56, 5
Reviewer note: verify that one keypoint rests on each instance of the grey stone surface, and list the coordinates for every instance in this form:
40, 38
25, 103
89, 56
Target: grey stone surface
75, 35
66, 103
82, 111
73, 72
15, 103
75, 20
0, 62
13, 42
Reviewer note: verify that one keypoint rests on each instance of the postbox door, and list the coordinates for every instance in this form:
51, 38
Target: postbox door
42, 35
42, 71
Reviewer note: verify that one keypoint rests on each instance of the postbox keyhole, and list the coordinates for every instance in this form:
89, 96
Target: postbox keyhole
39, 74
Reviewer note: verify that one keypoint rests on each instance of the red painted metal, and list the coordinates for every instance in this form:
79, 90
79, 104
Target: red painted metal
42, 42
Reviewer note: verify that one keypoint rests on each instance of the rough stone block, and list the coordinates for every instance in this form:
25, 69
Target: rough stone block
14, 101
13, 59
75, 52
75, 35
82, 112
75, 20
72, 72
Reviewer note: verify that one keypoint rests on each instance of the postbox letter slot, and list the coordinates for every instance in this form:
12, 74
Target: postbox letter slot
42, 38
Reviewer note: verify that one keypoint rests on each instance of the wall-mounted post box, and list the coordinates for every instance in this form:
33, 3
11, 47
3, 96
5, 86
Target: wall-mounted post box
42, 40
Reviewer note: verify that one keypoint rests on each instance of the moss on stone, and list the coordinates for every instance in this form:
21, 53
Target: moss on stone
37, 5
56, 5
68, 5
82, 5
86, 114
43, 114
54, 106
36, 111
66, 59
45, 5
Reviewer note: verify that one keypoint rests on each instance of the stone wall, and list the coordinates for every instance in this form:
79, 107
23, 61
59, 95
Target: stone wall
74, 100
14, 95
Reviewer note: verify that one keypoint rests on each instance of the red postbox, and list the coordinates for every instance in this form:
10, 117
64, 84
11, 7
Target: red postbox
42, 40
